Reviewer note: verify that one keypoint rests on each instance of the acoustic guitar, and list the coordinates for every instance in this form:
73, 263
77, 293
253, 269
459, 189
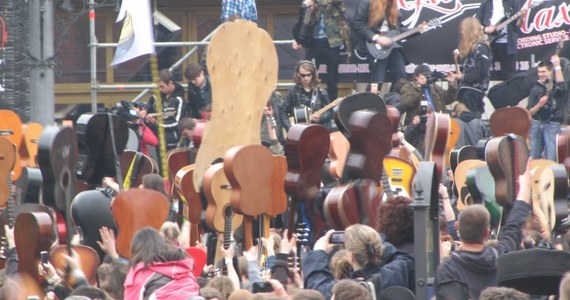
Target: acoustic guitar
57, 158
436, 137
7, 162
252, 55
11, 128
218, 192
88, 258
178, 158
30, 185
303, 114
184, 183
134, 165
461, 171
306, 149
482, 190
355, 102
507, 158
251, 186
29, 148
33, 233
135, 209
278, 200
507, 120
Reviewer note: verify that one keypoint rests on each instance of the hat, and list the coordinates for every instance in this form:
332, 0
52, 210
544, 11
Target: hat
422, 69
127, 114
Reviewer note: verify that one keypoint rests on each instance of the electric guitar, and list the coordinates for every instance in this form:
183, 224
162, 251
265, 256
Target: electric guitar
397, 176
379, 52
303, 114
493, 36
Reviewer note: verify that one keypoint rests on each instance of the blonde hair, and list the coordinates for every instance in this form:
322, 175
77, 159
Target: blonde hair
471, 34
340, 265
170, 232
364, 243
379, 8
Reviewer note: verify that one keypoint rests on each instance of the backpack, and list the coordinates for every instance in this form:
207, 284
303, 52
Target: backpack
373, 285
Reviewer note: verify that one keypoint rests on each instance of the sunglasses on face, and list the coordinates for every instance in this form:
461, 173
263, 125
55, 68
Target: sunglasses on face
305, 75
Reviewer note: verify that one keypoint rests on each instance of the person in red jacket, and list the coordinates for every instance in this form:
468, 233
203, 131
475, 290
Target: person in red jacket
158, 270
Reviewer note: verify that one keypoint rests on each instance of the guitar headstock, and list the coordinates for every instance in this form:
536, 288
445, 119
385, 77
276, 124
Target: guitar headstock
535, 3
435, 22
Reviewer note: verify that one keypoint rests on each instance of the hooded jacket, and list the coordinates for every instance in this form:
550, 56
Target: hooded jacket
478, 270
163, 280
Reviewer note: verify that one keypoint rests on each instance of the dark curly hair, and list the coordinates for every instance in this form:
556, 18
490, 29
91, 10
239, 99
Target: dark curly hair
396, 220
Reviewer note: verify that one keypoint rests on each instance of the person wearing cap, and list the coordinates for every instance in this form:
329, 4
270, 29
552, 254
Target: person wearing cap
423, 89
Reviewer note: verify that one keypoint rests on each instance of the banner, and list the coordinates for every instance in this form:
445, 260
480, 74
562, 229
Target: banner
137, 37
546, 24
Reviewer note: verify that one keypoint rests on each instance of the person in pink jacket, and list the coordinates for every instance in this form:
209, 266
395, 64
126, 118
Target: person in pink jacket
158, 270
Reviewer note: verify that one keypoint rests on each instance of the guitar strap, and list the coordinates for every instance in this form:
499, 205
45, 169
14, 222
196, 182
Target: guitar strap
132, 172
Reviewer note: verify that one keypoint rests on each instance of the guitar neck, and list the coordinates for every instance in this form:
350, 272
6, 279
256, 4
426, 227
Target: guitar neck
327, 107
506, 22
406, 34
386, 183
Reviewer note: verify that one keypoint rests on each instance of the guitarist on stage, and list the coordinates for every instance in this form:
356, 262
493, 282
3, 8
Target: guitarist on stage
372, 20
503, 42
546, 103
305, 93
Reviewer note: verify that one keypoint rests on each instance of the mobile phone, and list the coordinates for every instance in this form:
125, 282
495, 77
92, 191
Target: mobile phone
337, 237
44, 256
261, 287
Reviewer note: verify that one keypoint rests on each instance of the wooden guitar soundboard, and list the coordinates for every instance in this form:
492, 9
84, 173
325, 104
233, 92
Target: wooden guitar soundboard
242, 62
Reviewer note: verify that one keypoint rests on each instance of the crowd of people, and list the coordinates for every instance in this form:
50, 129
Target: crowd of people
367, 262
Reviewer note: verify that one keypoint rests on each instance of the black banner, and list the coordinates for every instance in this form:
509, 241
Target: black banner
548, 21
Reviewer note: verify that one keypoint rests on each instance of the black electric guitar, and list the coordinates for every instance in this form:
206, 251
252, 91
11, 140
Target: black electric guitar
303, 114
378, 52
495, 35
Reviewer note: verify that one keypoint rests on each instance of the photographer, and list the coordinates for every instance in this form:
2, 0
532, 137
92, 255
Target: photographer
419, 98
424, 89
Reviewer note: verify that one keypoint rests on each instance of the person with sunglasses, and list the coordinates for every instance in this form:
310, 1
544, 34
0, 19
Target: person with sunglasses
305, 98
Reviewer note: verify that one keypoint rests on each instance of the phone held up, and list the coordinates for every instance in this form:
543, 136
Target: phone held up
261, 287
337, 237
44, 256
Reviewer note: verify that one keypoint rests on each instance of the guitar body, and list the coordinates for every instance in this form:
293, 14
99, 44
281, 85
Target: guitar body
454, 135
7, 161
141, 165
355, 102
341, 206
378, 52
370, 141
33, 233
481, 187
30, 185
436, 137
457, 155
57, 158
507, 158
301, 114
184, 182
252, 56
338, 151
278, 200
91, 210
11, 129
29, 149
96, 156
401, 174
135, 209
89, 260
560, 191
464, 198
218, 192
510, 120
178, 158
563, 144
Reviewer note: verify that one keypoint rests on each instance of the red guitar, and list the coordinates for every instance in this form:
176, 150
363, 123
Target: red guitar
11, 128
306, 150
437, 134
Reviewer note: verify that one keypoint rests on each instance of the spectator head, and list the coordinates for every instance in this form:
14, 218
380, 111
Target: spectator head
350, 290
90, 292
363, 244
305, 294
564, 292
222, 284
502, 293
421, 74
194, 73
170, 232
306, 73
166, 82
154, 182
211, 293
340, 265
544, 71
148, 247
240, 295
111, 278
396, 220
186, 127
474, 224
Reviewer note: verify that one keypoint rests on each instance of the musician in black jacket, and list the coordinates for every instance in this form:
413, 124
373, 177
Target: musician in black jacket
503, 42
305, 94
374, 20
